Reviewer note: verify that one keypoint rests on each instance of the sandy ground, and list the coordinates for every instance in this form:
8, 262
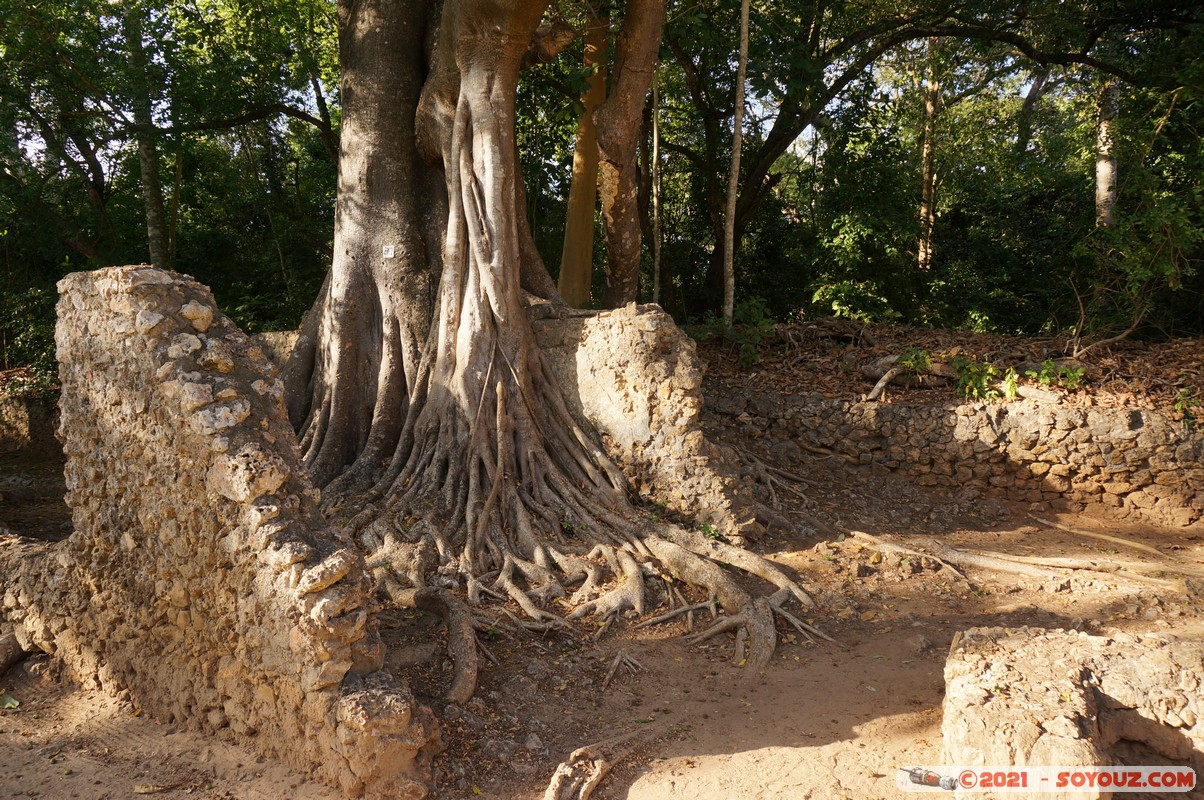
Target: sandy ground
822, 720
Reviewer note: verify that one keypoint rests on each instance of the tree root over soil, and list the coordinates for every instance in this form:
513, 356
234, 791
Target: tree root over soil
578, 775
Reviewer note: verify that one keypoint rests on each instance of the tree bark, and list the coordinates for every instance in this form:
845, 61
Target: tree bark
376, 305
733, 182
618, 121
577, 256
485, 455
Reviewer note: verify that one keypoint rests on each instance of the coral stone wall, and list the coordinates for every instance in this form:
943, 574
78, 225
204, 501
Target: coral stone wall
1136, 461
201, 580
1073, 700
26, 424
634, 376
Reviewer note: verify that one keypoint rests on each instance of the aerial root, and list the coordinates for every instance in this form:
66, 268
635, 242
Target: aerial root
621, 659
461, 638
577, 776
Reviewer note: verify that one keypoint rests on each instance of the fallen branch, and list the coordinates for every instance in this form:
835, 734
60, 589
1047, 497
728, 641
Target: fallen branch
880, 386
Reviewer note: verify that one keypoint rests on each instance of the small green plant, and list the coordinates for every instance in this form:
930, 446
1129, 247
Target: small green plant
1052, 374
709, 531
915, 360
568, 526
1011, 384
974, 378
1188, 406
752, 324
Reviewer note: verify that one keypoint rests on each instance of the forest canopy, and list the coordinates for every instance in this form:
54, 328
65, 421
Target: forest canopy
937, 164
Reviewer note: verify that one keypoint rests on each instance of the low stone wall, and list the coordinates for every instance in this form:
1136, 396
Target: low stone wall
201, 581
1034, 697
1137, 462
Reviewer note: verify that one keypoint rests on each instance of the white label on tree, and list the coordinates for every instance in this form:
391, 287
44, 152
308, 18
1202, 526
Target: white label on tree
389, 251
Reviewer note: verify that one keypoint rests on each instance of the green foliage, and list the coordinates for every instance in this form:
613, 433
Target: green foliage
27, 330
1189, 407
915, 360
1011, 384
1053, 374
859, 300
975, 379
751, 325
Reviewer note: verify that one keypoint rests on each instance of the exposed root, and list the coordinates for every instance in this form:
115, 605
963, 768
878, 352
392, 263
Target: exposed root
677, 612
807, 630
1145, 548
461, 639
751, 563
756, 638
621, 659
890, 548
577, 776
629, 594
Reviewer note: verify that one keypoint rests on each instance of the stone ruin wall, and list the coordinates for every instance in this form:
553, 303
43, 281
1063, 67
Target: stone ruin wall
635, 377
1036, 697
26, 424
1138, 463
201, 581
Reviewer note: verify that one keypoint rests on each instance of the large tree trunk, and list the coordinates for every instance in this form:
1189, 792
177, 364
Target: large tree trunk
577, 255
374, 313
465, 450
618, 121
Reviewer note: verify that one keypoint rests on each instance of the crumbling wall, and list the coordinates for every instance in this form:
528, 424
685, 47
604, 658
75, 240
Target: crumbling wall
1136, 462
634, 376
1035, 697
26, 423
201, 581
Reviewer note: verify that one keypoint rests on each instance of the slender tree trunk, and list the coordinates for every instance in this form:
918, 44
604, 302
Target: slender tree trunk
618, 120
733, 181
1105, 154
1039, 84
656, 194
577, 257
928, 176
157, 237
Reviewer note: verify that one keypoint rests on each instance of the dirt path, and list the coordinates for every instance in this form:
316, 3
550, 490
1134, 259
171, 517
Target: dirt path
822, 721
